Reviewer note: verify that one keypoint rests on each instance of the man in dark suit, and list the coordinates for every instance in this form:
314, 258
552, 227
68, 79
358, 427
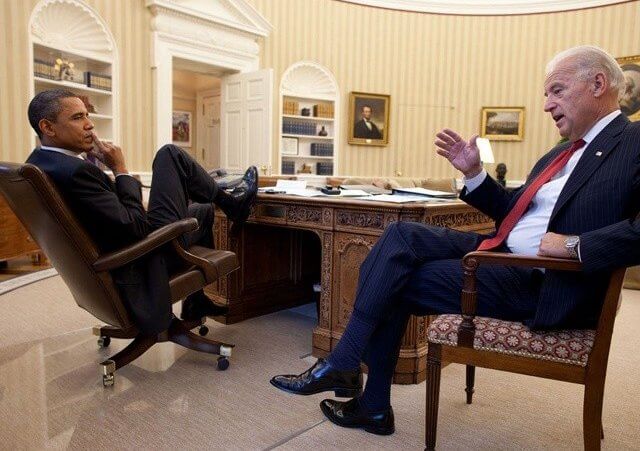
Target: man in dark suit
364, 128
580, 201
112, 212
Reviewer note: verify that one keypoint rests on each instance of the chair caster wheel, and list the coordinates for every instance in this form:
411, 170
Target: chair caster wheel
108, 369
108, 380
204, 330
223, 363
104, 342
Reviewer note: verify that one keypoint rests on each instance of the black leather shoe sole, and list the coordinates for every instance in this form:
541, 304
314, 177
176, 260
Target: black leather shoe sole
340, 392
371, 428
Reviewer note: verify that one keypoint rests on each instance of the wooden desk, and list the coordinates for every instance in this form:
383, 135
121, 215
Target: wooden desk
14, 239
291, 242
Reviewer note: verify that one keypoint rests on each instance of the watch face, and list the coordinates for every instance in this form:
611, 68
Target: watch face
571, 241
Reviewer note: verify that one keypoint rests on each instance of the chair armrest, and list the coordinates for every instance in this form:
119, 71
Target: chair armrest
152, 241
470, 264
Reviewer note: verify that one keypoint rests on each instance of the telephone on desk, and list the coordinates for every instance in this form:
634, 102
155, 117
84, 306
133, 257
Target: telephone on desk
224, 179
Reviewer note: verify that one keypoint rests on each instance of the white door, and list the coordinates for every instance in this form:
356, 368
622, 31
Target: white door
209, 120
246, 120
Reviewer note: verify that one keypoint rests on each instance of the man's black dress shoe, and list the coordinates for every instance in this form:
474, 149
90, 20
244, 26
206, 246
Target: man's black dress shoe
321, 377
349, 415
237, 204
198, 306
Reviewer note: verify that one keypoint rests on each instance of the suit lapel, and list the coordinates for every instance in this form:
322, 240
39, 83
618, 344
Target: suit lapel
594, 155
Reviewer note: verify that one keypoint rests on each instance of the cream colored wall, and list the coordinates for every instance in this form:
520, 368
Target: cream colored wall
439, 70
128, 21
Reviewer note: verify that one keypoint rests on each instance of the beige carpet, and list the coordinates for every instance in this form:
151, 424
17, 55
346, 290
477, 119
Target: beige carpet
51, 396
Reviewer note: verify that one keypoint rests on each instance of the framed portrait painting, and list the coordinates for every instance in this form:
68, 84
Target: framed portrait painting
502, 123
181, 128
369, 119
630, 99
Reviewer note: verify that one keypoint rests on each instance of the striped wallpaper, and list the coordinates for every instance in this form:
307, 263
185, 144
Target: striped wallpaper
439, 70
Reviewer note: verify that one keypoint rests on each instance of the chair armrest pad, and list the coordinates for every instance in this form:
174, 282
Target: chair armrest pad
152, 241
501, 258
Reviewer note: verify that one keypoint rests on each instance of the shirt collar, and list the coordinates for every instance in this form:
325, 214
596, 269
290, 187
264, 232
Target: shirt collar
63, 151
600, 125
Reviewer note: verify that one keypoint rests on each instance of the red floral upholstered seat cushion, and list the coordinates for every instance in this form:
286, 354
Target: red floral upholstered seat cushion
567, 346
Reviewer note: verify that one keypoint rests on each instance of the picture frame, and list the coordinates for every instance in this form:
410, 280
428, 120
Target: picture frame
182, 128
502, 123
289, 146
630, 99
368, 119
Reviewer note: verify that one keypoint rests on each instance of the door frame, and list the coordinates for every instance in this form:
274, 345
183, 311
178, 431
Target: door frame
202, 38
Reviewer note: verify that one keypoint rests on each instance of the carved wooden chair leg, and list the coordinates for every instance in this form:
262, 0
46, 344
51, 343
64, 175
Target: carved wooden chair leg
470, 382
434, 355
592, 416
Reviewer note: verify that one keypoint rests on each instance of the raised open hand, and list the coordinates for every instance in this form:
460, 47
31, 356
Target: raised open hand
464, 156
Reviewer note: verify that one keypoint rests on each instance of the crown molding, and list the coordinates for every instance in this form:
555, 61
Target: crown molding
241, 16
485, 7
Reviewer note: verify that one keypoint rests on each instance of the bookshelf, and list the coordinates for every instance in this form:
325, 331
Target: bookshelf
89, 77
308, 120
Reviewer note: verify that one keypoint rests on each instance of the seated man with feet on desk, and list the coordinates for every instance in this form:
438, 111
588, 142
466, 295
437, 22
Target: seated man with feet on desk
581, 201
112, 212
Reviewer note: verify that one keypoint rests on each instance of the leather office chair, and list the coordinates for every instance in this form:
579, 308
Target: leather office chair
578, 356
36, 202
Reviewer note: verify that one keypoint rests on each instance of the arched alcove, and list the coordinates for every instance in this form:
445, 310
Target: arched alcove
71, 32
309, 106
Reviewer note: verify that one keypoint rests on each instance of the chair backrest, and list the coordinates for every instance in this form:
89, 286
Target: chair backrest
36, 202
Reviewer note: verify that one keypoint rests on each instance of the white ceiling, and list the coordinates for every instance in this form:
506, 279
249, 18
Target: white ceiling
485, 7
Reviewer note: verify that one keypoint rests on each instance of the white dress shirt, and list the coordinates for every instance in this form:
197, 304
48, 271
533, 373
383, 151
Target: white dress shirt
528, 231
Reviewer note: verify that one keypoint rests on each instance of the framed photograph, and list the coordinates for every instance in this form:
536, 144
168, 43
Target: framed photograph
369, 119
502, 123
181, 129
630, 100
289, 146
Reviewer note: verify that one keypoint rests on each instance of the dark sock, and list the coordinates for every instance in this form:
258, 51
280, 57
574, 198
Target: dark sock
376, 396
348, 352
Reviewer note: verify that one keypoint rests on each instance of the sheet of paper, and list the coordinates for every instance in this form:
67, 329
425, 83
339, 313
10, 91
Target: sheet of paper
304, 192
426, 192
396, 199
293, 184
353, 193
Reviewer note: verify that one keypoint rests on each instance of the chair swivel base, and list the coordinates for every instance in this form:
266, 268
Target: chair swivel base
179, 332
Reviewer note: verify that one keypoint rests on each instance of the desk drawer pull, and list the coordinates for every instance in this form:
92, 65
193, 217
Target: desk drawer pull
272, 211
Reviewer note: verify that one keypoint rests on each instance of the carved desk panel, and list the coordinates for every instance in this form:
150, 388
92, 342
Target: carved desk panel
291, 242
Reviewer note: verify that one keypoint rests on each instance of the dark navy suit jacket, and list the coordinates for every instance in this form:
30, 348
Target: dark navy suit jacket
600, 203
112, 214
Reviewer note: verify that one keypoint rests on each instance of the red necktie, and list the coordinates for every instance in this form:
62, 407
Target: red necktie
523, 202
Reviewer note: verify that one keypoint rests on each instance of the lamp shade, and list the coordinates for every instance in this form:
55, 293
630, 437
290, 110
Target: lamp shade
486, 154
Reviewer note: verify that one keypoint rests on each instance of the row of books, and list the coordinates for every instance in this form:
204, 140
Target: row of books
48, 70
324, 110
299, 128
321, 149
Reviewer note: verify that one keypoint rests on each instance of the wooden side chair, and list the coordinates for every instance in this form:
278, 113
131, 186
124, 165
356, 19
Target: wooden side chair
86, 271
578, 356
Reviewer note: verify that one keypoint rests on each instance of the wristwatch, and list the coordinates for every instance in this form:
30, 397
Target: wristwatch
571, 243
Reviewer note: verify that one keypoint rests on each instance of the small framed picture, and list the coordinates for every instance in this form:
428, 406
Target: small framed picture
369, 119
502, 123
289, 146
181, 130
630, 99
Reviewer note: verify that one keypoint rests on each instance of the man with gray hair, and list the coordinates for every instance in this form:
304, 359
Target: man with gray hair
580, 202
